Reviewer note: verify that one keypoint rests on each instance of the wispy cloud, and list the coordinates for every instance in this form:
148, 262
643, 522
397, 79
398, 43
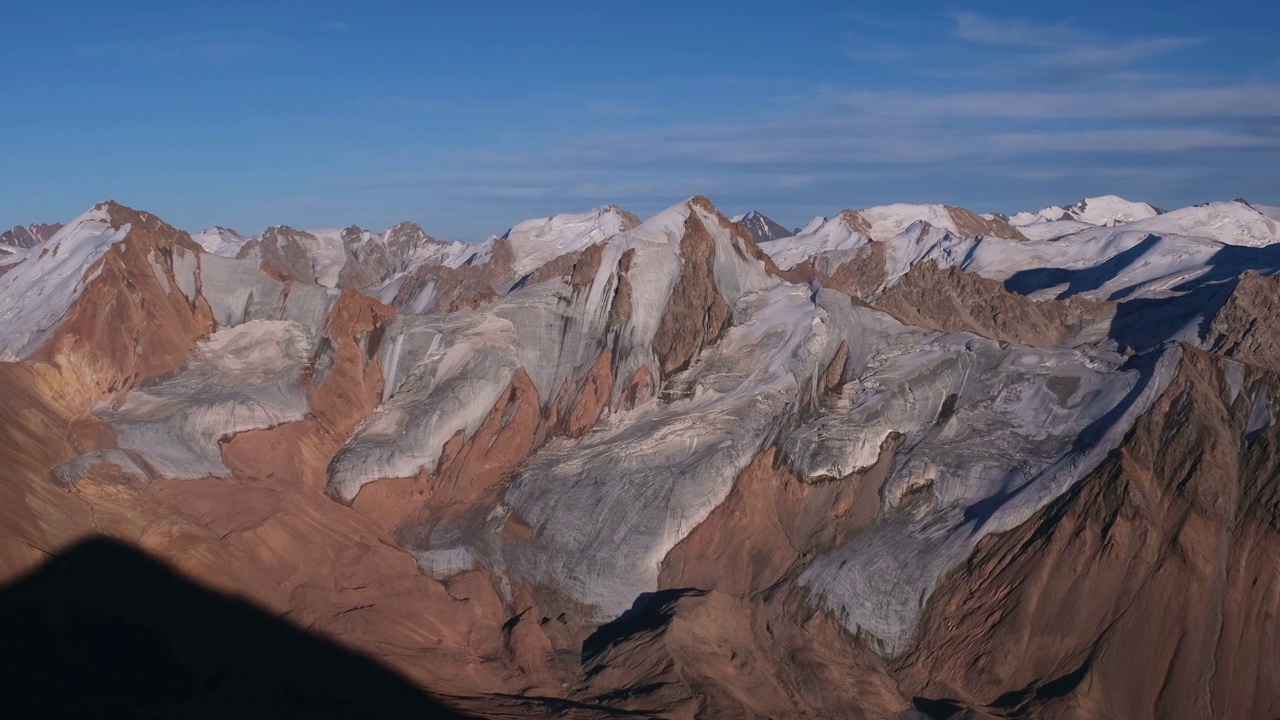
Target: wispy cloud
1210, 103
1088, 59
975, 28
804, 143
336, 26
1060, 50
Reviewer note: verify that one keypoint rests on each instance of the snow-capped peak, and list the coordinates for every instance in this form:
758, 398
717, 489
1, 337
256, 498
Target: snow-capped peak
40, 289
886, 221
818, 237
812, 225
1110, 210
1233, 223
220, 241
539, 240
761, 226
1106, 210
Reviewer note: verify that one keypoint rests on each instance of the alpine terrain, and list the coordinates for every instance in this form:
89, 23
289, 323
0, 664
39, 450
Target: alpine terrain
908, 461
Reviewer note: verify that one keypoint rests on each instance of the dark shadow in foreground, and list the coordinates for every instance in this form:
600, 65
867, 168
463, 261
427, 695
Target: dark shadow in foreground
105, 631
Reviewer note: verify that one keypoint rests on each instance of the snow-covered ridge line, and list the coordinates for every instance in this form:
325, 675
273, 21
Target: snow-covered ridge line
38, 291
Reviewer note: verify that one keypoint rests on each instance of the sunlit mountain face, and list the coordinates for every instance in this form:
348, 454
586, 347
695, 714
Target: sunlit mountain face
904, 461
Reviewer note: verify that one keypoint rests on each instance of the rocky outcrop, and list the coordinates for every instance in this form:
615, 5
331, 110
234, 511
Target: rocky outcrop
432, 288
696, 314
343, 386
690, 653
140, 316
1247, 328
969, 224
763, 229
949, 300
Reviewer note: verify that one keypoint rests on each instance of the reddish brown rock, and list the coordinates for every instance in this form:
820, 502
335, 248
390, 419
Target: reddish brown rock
785, 519
696, 314
126, 326
1247, 328
832, 378
594, 398
641, 388
965, 223
347, 394
696, 654
970, 224
463, 287
860, 277
620, 308
579, 268
1150, 590
472, 470
30, 235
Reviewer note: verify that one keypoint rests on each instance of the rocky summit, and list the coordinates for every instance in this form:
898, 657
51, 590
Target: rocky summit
909, 461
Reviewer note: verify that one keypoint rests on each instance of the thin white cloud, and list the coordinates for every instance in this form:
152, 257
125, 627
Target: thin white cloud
336, 26
1145, 140
975, 28
1242, 101
1089, 58
1060, 50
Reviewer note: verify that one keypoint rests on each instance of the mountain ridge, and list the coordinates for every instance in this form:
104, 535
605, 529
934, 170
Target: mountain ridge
611, 462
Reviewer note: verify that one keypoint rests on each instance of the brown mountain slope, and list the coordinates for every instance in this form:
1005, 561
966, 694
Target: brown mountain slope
1151, 590
950, 299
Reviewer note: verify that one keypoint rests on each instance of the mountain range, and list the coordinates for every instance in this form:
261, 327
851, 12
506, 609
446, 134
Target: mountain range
906, 461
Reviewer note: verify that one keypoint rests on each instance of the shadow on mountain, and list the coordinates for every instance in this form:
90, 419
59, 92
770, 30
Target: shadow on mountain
1026, 282
1143, 323
105, 631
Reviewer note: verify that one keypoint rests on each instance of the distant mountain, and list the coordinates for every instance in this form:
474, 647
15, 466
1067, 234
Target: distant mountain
220, 241
1106, 210
762, 228
22, 237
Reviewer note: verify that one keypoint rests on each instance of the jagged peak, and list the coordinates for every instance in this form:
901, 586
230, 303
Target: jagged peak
704, 202
284, 231
28, 236
762, 227
408, 226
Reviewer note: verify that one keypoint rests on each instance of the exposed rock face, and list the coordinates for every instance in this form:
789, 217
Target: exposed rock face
862, 276
762, 229
705, 654
1248, 326
696, 315
949, 300
1177, 531
904, 463
142, 314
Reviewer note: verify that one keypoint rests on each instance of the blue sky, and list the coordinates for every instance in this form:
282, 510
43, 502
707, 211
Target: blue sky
468, 117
